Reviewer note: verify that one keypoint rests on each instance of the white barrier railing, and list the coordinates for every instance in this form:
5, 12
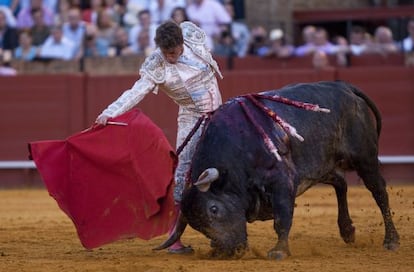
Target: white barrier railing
17, 165
396, 159
31, 164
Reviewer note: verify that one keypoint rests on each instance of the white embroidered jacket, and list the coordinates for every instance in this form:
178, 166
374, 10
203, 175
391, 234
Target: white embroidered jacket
191, 82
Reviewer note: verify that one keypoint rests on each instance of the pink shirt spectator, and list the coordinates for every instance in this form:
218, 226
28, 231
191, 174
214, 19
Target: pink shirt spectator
318, 42
25, 19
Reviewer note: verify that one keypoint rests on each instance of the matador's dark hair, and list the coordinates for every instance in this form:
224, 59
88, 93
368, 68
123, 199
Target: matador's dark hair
169, 35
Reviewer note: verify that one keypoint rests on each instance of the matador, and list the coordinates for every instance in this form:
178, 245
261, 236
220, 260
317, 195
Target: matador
189, 80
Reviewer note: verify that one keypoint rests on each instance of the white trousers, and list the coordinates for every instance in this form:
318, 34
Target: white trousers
186, 122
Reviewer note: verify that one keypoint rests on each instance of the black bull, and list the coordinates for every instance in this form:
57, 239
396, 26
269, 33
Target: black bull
236, 179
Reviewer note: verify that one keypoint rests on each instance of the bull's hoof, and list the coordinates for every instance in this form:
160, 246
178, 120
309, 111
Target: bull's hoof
277, 254
392, 241
393, 246
219, 255
225, 255
348, 235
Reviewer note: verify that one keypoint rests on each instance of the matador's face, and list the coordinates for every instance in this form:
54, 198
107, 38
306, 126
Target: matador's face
172, 54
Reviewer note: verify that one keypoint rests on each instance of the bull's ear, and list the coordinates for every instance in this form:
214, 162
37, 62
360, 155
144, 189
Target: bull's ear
206, 178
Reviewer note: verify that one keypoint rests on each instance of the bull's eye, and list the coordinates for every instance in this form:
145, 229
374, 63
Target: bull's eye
214, 210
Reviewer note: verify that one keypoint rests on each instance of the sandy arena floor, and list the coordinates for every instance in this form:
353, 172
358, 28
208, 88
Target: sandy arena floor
35, 235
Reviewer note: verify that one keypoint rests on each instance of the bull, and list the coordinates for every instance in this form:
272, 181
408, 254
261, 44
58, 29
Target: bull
248, 167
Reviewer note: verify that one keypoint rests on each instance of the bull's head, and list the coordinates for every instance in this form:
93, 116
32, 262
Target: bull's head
217, 214
214, 213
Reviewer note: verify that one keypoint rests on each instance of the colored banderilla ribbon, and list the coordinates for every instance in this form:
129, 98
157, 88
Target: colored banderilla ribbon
289, 129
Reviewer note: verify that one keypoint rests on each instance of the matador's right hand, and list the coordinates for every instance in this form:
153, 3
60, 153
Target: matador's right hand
102, 119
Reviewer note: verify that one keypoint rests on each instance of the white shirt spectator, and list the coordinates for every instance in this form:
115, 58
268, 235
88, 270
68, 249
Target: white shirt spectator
57, 46
10, 19
161, 9
143, 4
357, 49
145, 22
209, 15
74, 29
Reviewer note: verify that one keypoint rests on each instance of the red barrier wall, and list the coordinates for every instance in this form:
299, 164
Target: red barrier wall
55, 106
392, 90
39, 108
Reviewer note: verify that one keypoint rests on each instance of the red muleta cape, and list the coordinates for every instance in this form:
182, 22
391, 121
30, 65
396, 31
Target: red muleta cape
114, 182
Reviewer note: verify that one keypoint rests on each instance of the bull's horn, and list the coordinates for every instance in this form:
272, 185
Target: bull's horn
175, 234
206, 178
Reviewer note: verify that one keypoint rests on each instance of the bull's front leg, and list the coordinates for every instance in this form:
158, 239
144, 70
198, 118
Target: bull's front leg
283, 205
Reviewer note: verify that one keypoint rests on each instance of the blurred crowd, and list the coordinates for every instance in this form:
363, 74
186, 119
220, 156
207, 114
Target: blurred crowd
75, 29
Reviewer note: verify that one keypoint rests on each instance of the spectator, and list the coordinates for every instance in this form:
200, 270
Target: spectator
105, 34
408, 42
277, 47
57, 46
75, 3
225, 44
39, 31
133, 7
5, 68
358, 40
321, 42
74, 29
209, 15
342, 50
144, 22
116, 9
316, 39
90, 14
308, 36
161, 10
239, 32
179, 15
258, 40
51, 5
320, 60
25, 16
63, 10
121, 43
130, 18
90, 48
143, 44
26, 51
383, 42
9, 38
10, 19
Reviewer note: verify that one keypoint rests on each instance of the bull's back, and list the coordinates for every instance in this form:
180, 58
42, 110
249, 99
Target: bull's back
330, 139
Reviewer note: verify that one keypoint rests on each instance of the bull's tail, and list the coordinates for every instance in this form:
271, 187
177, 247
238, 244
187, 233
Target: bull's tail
370, 104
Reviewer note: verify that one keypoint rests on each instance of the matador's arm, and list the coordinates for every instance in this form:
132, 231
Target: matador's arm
152, 73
